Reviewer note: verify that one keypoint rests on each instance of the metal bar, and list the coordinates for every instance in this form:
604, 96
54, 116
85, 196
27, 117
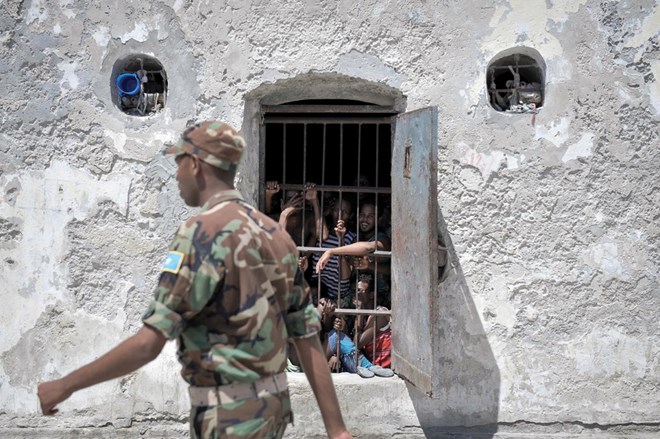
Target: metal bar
518, 88
364, 312
506, 67
340, 243
359, 154
320, 238
304, 153
341, 158
284, 156
325, 119
376, 217
356, 336
262, 165
331, 109
381, 253
373, 339
377, 149
339, 188
357, 202
304, 211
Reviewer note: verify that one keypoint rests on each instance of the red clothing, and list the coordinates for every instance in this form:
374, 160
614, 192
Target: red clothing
383, 357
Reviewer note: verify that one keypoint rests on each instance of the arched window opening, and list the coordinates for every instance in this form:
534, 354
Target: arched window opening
516, 81
139, 85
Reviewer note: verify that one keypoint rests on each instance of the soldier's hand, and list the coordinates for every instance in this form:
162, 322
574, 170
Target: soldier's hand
272, 187
50, 394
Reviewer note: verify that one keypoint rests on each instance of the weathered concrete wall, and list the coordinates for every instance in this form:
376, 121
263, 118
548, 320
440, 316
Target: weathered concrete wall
548, 315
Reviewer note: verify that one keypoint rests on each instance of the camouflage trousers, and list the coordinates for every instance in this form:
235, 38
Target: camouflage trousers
258, 418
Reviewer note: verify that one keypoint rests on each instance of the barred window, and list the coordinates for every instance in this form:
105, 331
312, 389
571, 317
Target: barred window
375, 170
326, 170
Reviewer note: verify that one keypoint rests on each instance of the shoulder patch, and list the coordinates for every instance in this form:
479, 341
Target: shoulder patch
173, 262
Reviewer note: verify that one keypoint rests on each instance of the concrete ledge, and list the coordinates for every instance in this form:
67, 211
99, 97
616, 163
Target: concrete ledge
373, 408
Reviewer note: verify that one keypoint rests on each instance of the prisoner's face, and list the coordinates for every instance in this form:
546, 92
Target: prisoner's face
342, 212
364, 294
367, 218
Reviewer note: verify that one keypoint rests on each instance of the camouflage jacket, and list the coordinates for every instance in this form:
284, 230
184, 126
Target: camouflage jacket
230, 291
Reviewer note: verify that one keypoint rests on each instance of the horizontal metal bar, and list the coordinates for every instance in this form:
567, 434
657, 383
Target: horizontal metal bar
328, 120
362, 312
517, 89
283, 109
335, 188
515, 65
323, 249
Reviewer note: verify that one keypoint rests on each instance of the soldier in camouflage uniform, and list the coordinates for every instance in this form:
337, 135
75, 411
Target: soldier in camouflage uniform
231, 293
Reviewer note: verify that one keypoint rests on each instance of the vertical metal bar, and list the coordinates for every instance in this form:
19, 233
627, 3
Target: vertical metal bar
320, 238
376, 217
356, 338
305, 152
377, 149
341, 181
304, 223
341, 156
284, 154
374, 321
325, 126
357, 200
359, 154
262, 165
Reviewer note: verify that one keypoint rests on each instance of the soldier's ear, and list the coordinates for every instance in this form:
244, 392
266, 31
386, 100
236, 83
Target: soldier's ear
196, 165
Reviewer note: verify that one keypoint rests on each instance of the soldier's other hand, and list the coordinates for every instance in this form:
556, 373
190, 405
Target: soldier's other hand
340, 228
50, 394
272, 187
343, 435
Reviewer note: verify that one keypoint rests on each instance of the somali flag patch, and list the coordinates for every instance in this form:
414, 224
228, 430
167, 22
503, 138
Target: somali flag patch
173, 262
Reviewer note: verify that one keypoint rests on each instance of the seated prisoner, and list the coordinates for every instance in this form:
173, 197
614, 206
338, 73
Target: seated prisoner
342, 352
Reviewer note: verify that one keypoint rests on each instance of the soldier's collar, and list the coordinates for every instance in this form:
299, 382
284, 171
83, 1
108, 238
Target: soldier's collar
231, 194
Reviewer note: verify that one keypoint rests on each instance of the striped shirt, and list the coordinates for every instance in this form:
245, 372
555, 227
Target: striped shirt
330, 275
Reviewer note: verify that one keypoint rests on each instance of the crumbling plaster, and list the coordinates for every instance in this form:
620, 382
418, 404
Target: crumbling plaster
553, 223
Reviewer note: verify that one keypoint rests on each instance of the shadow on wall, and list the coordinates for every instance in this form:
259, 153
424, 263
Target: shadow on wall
466, 402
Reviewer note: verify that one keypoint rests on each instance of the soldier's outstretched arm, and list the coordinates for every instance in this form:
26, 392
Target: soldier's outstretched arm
129, 355
314, 364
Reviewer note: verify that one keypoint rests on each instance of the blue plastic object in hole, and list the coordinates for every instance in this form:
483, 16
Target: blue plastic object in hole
128, 84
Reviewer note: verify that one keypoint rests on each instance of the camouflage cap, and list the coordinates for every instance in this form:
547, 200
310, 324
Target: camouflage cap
214, 142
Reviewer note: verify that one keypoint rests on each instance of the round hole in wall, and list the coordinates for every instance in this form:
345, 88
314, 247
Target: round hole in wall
138, 85
515, 80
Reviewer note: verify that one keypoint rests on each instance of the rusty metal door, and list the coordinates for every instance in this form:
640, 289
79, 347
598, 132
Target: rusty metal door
414, 245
